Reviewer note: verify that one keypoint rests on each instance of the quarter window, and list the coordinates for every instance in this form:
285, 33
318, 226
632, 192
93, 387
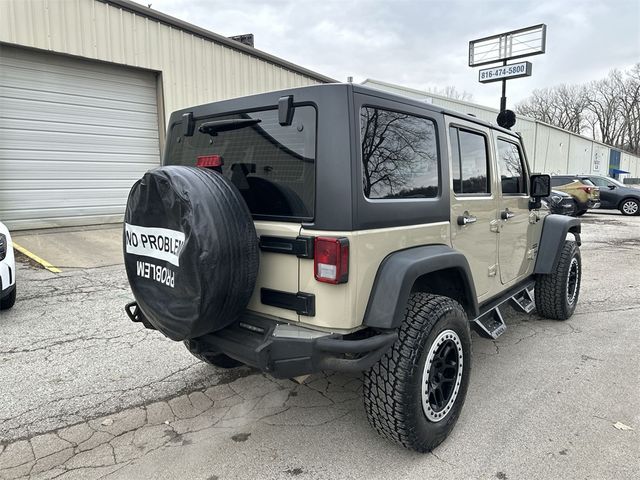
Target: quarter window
399, 155
469, 162
511, 169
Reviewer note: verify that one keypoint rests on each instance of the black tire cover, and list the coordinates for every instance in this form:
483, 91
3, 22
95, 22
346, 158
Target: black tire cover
190, 249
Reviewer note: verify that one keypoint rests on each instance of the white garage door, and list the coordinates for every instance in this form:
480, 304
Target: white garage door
74, 136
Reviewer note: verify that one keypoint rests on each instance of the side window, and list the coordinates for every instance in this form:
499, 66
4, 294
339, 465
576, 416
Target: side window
556, 181
470, 168
399, 155
510, 169
600, 182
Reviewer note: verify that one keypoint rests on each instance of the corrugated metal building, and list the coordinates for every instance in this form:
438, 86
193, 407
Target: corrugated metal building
85, 89
550, 149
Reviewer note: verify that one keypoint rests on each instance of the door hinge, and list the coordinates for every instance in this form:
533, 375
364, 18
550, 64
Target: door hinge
493, 270
531, 253
494, 226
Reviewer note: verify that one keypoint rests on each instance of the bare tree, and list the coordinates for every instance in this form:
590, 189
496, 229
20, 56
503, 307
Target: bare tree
608, 109
395, 149
562, 106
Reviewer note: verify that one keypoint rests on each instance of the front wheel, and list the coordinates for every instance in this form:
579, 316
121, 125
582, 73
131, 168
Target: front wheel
7, 302
414, 394
630, 207
557, 293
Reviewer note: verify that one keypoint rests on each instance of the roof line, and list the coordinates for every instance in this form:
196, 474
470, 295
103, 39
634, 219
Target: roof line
370, 81
215, 37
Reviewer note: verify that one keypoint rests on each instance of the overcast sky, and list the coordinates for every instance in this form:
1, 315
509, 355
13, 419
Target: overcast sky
422, 44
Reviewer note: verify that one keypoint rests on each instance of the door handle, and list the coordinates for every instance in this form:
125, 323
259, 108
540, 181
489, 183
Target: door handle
506, 214
466, 219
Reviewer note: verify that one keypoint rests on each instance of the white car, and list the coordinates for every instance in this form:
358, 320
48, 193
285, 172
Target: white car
7, 270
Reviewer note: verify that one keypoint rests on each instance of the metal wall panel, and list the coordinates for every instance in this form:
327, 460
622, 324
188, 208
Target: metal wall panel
194, 69
552, 150
600, 159
579, 154
74, 136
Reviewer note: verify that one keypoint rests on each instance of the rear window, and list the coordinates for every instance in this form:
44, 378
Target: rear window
273, 166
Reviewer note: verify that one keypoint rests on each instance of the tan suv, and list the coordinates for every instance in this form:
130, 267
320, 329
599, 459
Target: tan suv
584, 192
336, 227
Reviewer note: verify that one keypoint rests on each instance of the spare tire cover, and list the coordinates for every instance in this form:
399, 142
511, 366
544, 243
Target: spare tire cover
190, 249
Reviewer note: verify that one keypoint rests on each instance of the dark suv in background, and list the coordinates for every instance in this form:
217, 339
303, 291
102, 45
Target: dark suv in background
616, 195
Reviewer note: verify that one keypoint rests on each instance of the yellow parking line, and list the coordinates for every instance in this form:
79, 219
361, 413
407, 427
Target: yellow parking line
36, 258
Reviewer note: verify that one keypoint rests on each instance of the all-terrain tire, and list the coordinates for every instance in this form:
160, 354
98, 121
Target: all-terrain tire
630, 207
394, 386
217, 359
557, 293
7, 302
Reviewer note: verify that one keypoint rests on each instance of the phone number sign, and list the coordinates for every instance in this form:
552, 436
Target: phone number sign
505, 72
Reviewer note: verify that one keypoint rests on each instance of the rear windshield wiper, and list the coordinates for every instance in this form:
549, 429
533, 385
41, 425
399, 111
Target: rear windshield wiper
212, 128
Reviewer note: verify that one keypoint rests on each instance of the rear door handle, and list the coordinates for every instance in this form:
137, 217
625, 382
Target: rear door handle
466, 219
506, 214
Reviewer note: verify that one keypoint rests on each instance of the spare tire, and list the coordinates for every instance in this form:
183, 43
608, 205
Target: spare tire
190, 249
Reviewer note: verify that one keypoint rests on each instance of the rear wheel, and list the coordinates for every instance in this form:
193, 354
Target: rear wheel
557, 293
579, 213
414, 394
7, 302
630, 206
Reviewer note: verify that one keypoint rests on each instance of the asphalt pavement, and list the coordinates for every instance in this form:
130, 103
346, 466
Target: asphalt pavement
85, 393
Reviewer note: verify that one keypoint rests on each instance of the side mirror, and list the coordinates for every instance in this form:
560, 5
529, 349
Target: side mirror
540, 186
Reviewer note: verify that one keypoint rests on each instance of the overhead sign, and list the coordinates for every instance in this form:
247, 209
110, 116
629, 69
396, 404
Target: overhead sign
505, 72
509, 45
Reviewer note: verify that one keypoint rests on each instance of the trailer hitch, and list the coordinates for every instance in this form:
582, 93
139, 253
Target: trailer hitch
136, 315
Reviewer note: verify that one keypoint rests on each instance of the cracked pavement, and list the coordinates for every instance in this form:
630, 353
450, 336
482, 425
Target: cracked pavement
88, 394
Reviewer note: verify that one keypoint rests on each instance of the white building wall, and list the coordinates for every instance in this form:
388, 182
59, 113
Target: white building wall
631, 164
552, 150
579, 154
193, 69
600, 159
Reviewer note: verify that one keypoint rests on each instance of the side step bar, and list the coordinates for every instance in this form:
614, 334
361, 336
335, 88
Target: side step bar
491, 324
524, 300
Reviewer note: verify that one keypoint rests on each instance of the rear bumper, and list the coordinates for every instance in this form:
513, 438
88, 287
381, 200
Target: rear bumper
286, 350
594, 204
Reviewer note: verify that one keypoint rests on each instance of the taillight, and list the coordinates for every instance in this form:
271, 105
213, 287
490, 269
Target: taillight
209, 161
331, 259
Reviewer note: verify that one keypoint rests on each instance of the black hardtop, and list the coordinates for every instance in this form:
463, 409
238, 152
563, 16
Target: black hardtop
269, 99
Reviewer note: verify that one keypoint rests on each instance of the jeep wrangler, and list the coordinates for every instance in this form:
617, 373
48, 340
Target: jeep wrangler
337, 227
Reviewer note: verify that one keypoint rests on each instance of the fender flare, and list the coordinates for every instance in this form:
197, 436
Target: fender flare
398, 273
554, 232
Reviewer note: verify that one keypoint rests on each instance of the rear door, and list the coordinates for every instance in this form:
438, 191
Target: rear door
273, 167
474, 225
514, 214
